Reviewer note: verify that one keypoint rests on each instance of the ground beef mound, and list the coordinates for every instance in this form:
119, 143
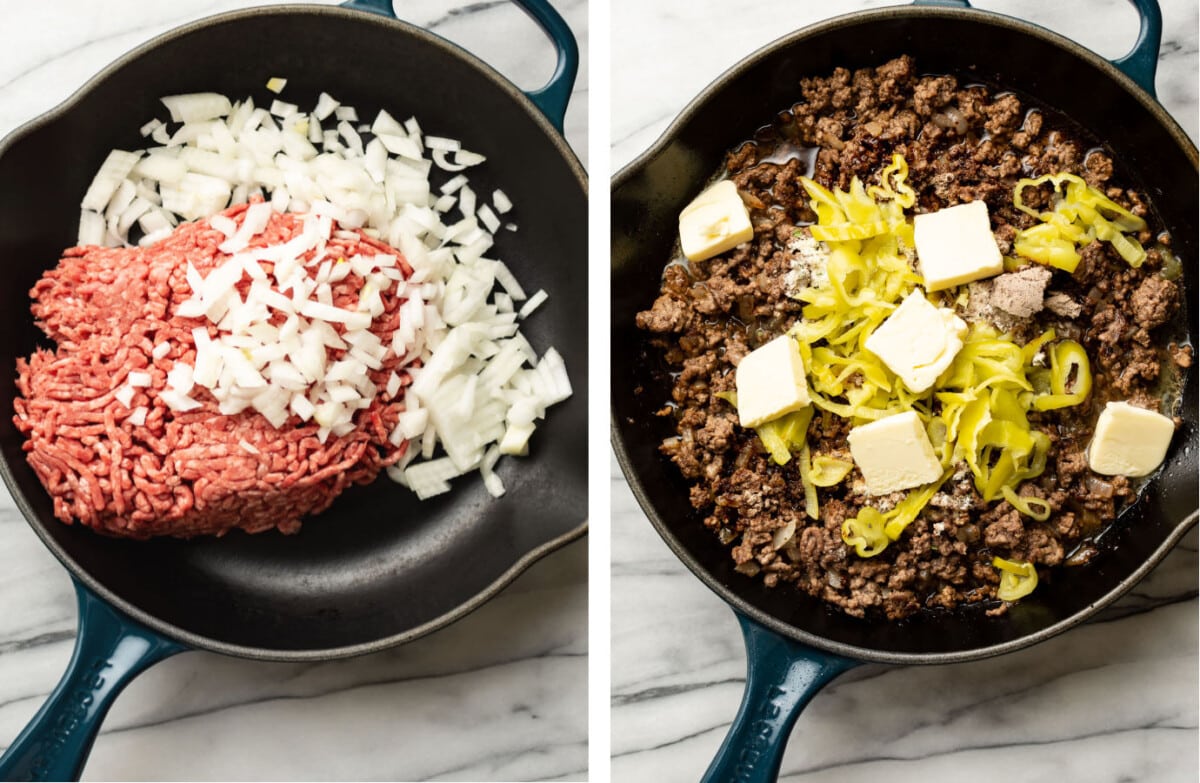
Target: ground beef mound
961, 143
179, 474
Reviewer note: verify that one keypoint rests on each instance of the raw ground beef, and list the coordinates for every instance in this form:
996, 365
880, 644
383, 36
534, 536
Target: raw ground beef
180, 474
961, 144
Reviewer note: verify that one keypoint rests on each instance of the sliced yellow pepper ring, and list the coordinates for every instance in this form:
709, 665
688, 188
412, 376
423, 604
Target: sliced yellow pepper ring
865, 527
811, 505
829, 471
1068, 365
892, 183
907, 510
867, 273
1017, 580
787, 433
865, 533
1029, 506
842, 232
1081, 214
1034, 346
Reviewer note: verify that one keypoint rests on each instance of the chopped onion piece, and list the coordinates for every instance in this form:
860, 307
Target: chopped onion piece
92, 228
150, 127
489, 219
276, 84
197, 107
441, 158
442, 143
491, 481
509, 282
465, 158
326, 105
112, 174
125, 394
284, 110
532, 304
178, 402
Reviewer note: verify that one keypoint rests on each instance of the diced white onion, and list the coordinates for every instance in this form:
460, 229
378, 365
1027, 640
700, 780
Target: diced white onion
197, 107
113, 171
532, 304
124, 395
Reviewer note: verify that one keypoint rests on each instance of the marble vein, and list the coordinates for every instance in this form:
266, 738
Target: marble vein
464, 11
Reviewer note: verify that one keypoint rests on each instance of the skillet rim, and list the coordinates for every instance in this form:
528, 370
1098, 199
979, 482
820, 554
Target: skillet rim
633, 480
198, 641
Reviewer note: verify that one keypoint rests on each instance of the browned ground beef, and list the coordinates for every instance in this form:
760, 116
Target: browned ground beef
961, 144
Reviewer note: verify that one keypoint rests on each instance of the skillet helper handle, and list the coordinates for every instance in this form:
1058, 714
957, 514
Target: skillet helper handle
552, 98
782, 675
110, 650
1142, 61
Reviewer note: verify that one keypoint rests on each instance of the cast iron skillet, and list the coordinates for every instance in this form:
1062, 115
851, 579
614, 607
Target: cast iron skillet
794, 643
378, 568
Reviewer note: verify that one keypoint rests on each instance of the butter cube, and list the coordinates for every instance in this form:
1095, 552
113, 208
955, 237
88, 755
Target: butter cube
918, 341
714, 222
1129, 441
770, 382
955, 246
894, 453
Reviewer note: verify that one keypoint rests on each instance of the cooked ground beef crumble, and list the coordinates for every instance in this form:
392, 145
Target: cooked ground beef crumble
962, 143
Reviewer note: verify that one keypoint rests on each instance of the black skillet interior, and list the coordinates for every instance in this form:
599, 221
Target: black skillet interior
646, 201
378, 567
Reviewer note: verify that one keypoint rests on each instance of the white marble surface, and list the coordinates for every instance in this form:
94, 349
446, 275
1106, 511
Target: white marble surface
1115, 700
501, 695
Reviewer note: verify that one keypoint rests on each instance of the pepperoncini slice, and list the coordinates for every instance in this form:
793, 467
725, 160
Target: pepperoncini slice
1080, 214
1030, 506
865, 533
829, 471
868, 272
862, 531
729, 396
1017, 580
811, 505
907, 510
1068, 366
776, 446
977, 412
1034, 346
892, 183
786, 434
985, 397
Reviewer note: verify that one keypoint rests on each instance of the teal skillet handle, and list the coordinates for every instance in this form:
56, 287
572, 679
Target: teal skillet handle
551, 99
782, 676
1141, 62
110, 650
